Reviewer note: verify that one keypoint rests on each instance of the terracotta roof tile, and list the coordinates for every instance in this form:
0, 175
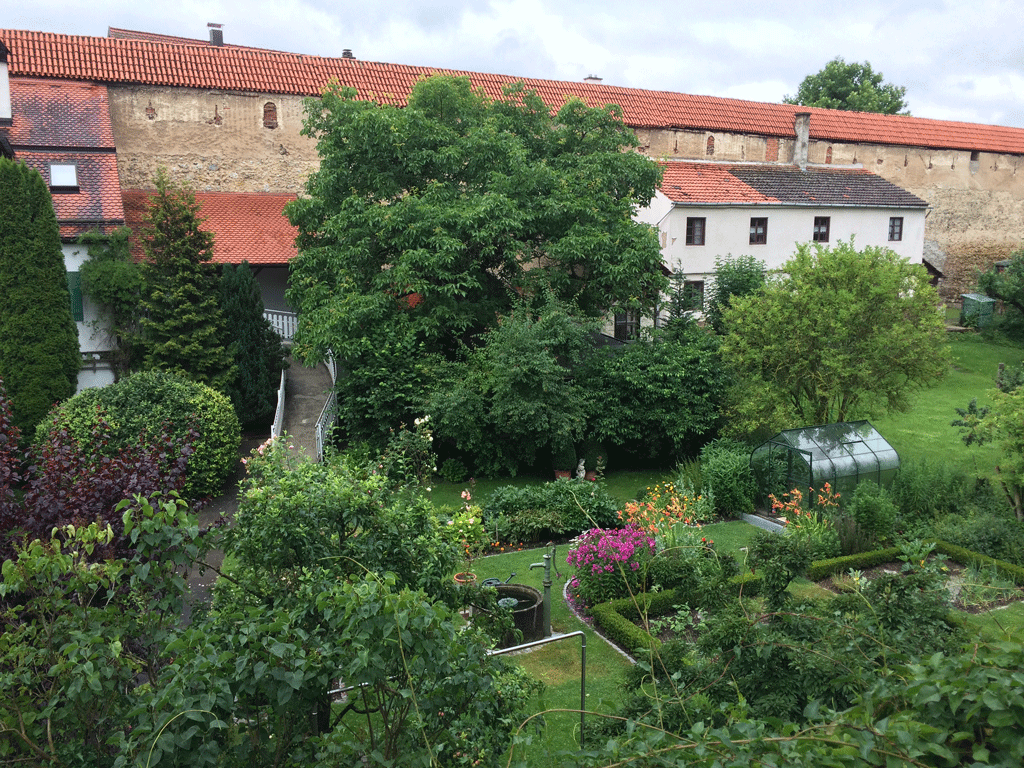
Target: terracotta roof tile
168, 61
745, 183
246, 226
98, 203
68, 114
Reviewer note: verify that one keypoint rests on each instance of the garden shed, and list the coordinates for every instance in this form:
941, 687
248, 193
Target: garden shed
840, 454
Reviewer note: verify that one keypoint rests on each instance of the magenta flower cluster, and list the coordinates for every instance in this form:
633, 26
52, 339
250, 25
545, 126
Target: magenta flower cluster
610, 563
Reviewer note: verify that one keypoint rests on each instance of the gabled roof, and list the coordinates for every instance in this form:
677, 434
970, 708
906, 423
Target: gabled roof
246, 226
695, 183
168, 61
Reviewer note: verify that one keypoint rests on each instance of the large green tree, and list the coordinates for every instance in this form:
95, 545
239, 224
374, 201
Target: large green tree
183, 328
1006, 283
448, 210
39, 356
843, 333
734, 276
851, 86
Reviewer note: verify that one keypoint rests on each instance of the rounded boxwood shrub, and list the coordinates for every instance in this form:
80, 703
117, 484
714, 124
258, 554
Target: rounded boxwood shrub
138, 405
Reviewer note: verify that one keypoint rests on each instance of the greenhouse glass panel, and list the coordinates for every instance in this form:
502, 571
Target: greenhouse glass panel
841, 455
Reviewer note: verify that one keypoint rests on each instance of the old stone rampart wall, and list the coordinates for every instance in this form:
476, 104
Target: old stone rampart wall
251, 142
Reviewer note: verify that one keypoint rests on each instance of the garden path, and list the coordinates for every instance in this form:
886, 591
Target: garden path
306, 392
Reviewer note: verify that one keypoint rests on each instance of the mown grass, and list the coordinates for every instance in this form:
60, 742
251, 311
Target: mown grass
925, 432
558, 664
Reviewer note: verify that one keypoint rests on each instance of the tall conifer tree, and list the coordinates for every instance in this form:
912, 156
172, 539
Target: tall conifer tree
183, 328
257, 347
39, 356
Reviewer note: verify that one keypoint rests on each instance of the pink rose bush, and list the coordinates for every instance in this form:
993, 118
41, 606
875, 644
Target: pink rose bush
610, 563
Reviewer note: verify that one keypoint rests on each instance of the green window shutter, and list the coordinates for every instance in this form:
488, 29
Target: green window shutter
75, 289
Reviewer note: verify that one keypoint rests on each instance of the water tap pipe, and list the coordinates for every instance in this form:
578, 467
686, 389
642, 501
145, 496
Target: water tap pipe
546, 565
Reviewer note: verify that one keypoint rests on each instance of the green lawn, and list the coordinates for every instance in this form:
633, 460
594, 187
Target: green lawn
558, 664
925, 431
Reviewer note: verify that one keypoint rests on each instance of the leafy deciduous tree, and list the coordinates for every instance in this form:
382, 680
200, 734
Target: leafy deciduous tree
734, 276
1007, 285
851, 86
183, 327
841, 334
517, 393
657, 397
1004, 424
39, 356
451, 209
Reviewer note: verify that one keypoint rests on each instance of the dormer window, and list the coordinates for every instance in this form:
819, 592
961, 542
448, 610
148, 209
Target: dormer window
63, 177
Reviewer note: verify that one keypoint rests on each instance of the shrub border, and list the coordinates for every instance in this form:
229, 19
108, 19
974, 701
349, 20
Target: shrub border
617, 618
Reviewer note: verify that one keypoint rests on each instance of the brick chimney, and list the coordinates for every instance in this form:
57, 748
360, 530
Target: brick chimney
216, 34
802, 127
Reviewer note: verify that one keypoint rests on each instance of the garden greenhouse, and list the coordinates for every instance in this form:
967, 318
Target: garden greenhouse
839, 454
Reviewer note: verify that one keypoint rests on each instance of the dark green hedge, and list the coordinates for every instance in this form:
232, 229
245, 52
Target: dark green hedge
617, 618
822, 569
966, 557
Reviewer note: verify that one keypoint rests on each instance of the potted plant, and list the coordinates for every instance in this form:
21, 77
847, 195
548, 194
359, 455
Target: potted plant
595, 459
466, 529
563, 457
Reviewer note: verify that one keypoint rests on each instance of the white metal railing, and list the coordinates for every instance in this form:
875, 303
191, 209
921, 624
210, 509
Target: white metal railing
278, 426
284, 323
329, 414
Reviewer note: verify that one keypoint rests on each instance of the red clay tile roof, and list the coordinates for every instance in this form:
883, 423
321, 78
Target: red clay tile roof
195, 65
64, 114
745, 183
153, 37
245, 226
98, 203
68, 122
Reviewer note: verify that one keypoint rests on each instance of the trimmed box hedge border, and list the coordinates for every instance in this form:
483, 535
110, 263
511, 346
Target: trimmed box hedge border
617, 618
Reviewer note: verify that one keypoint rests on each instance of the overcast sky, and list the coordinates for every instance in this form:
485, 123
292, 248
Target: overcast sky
958, 60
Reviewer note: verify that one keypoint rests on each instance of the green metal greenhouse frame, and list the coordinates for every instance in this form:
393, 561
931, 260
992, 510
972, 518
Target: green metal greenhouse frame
841, 455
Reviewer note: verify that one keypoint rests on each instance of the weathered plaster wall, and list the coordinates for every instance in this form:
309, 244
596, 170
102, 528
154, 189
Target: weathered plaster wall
213, 140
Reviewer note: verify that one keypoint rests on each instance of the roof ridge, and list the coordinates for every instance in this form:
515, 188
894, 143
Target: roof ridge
240, 68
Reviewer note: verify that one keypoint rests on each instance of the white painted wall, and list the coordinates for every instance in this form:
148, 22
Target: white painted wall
728, 233
93, 332
5, 92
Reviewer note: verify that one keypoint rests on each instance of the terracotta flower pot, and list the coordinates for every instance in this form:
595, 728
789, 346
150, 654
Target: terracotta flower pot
465, 578
562, 474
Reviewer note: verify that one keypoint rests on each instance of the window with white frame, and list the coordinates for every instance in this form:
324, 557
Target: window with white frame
63, 177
